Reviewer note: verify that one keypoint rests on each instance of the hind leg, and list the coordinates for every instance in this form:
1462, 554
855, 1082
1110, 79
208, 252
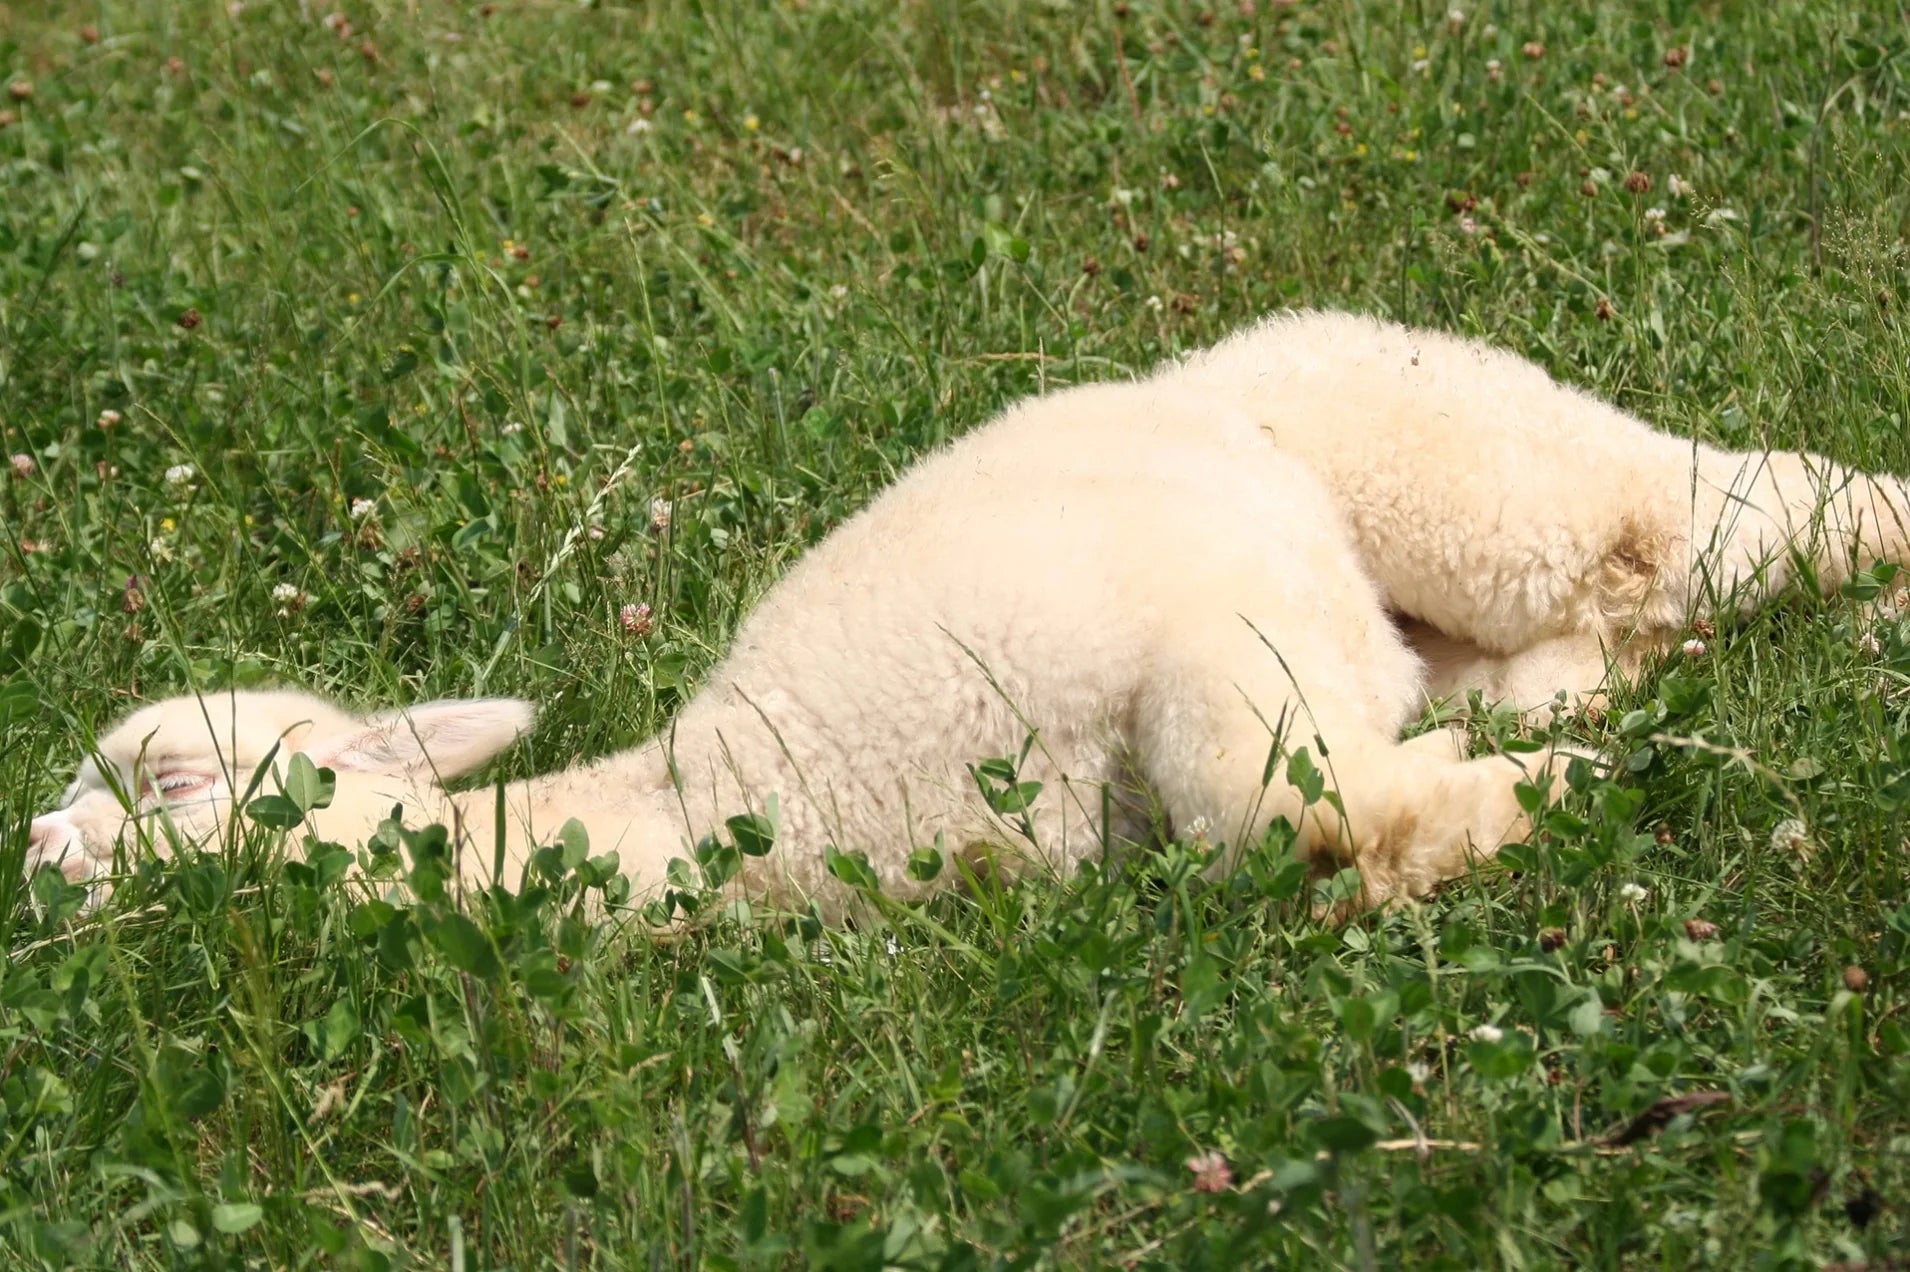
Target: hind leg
1719, 533
1758, 517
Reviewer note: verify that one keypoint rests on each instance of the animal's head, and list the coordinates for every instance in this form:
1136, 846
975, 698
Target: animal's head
183, 761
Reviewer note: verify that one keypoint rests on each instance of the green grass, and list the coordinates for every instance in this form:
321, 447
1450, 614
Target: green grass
853, 230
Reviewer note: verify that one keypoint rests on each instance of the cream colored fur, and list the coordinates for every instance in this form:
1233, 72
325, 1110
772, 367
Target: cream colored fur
1273, 542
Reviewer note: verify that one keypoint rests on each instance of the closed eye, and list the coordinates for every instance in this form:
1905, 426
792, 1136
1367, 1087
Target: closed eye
172, 785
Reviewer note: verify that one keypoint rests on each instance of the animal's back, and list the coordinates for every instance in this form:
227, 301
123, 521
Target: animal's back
1024, 580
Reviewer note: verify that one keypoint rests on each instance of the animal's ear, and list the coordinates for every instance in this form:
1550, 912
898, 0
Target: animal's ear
443, 739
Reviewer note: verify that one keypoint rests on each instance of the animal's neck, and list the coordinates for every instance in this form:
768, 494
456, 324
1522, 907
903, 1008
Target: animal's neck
616, 800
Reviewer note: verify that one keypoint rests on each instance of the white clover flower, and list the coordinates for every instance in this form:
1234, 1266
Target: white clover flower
1455, 18
1154, 303
1422, 65
1654, 215
1468, 226
1869, 644
362, 508
1632, 893
1693, 648
1495, 69
1418, 1071
109, 417
180, 475
639, 126
595, 533
1677, 186
1791, 834
290, 599
839, 292
512, 429
160, 549
659, 514
1198, 830
23, 465
1487, 1033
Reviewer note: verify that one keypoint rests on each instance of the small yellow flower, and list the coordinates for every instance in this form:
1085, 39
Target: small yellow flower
1256, 72
689, 117
704, 218
561, 479
168, 525
1017, 76
752, 123
1359, 148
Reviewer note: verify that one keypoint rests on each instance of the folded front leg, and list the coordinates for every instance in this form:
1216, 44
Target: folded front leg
1577, 672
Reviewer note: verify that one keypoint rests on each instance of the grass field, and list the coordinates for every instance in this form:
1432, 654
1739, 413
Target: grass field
353, 349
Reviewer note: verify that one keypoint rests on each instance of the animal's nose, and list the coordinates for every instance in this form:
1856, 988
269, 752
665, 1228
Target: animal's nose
53, 839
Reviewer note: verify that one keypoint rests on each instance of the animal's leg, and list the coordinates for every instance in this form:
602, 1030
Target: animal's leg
1408, 815
1581, 666
1757, 515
